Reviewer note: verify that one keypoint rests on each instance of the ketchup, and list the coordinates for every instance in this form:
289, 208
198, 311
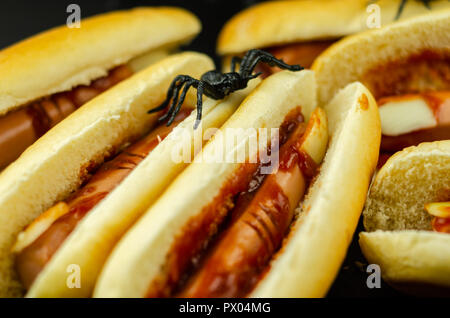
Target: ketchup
32, 259
202, 233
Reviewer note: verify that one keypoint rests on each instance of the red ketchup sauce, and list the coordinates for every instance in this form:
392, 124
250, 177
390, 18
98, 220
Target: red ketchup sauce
223, 251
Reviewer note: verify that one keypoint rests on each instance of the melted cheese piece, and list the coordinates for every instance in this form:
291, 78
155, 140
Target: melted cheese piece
406, 115
409, 113
315, 139
439, 209
39, 226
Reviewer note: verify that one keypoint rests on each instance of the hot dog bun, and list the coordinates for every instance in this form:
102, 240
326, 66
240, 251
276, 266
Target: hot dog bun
395, 217
352, 58
281, 22
56, 164
313, 253
62, 58
202, 183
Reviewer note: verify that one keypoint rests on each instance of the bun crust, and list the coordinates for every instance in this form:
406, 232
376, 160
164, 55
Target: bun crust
417, 257
349, 59
317, 244
281, 22
62, 58
53, 167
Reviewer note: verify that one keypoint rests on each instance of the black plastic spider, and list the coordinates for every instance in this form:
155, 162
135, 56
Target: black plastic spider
426, 3
217, 85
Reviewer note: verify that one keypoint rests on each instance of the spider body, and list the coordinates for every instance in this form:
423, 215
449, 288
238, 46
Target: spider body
217, 85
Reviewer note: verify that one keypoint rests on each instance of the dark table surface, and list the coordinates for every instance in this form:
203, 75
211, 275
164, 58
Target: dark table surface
22, 18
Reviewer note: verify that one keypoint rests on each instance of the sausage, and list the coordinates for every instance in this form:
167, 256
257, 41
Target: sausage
441, 225
397, 143
21, 128
234, 266
32, 259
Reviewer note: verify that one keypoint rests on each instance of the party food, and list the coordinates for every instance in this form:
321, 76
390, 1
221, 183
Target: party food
224, 228
106, 148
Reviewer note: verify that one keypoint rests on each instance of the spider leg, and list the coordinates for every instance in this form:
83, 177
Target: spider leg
180, 102
234, 61
253, 57
199, 103
174, 102
169, 95
426, 3
400, 9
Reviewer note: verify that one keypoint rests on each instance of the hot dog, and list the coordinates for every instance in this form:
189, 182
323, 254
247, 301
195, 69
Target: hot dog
52, 74
299, 31
31, 259
21, 128
234, 231
407, 221
257, 233
71, 204
410, 78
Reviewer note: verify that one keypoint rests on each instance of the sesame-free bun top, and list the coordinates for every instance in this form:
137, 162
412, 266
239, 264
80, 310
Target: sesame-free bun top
353, 57
61, 58
282, 22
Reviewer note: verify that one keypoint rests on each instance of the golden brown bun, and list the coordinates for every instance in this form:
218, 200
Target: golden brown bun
349, 59
53, 166
405, 252
281, 22
157, 229
61, 58
199, 183
407, 257
92, 240
313, 252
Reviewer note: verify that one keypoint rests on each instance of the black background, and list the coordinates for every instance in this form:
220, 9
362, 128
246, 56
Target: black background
20, 19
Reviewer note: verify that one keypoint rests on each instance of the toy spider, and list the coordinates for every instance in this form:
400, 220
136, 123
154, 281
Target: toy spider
217, 85
426, 3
